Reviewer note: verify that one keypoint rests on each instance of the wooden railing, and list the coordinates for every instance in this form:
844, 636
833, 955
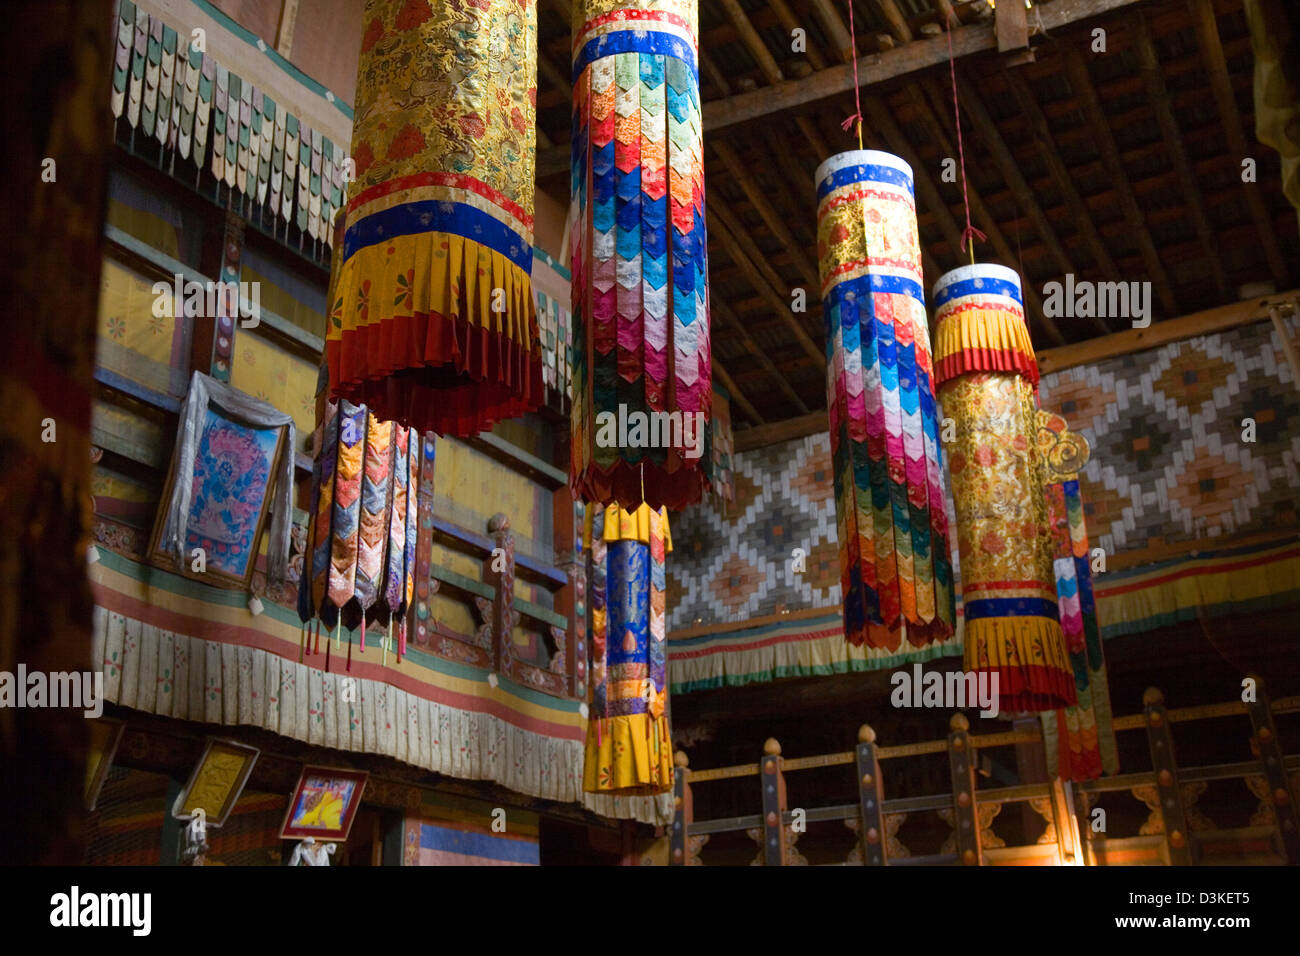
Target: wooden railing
1175, 833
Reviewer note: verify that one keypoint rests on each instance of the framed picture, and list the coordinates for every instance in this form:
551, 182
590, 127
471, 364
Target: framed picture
105, 735
217, 781
234, 467
324, 804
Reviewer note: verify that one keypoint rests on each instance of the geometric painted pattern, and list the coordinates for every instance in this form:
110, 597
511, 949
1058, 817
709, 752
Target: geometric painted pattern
732, 567
1168, 461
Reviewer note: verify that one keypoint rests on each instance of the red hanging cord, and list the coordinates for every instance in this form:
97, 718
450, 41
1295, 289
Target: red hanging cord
857, 89
970, 232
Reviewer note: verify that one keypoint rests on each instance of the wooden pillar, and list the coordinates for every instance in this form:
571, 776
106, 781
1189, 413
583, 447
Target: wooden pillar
961, 763
1068, 843
772, 781
425, 587
503, 613
1166, 771
571, 601
1266, 747
871, 795
212, 338
679, 840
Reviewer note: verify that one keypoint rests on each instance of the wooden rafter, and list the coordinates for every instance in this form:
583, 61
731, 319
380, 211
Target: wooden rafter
1042, 136
1207, 31
835, 29
758, 199
987, 222
723, 225
737, 395
1158, 95
1077, 71
897, 22
719, 307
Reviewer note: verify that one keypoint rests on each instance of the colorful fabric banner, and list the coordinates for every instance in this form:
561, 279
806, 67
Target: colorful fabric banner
1080, 740
640, 292
628, 747
1012, 628
889, 500
433, 321
362, 524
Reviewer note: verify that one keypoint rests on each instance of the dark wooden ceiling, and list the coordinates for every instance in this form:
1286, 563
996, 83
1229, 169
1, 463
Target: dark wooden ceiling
1117, 166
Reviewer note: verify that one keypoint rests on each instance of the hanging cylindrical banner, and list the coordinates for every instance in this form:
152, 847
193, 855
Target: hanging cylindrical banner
432, 322
642, 368
896, 576
628, 750
1009, 598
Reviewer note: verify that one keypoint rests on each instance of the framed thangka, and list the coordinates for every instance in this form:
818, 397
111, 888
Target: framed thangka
324, 804
232, 467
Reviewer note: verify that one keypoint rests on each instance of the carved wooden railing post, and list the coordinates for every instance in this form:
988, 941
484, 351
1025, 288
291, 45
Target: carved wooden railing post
1269, 751
961, 763
773, 851
1166, 772
871, 795
571, 601
679, 841
503, 580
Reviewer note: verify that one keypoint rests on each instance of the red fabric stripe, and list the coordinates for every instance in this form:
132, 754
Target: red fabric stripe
456, 180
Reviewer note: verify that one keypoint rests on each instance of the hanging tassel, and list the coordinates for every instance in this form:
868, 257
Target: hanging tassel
401, 640
302, 640
385, 641
338, 632
327, 643
363, 633
349, 652
327, 654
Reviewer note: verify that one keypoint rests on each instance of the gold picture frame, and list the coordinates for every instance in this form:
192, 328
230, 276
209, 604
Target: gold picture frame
217, 781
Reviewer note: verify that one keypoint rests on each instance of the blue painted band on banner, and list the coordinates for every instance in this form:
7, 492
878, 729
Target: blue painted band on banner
636, 41
979, 287
866, 175
876, 282
1011, 607
438, 215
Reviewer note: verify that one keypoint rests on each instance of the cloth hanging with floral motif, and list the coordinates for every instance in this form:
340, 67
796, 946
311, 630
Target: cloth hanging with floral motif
432, 322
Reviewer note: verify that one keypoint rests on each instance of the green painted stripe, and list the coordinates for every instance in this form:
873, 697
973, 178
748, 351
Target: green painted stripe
461, 581
540, 253
541, 613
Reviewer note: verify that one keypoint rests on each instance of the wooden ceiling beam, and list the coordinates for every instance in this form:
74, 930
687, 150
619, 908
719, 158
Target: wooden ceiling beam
1077, 72
836, 80
1064, 181
789, 23
835, 29
734, 239
1149, 62
752, 41
718, 306
737, 396
758, 199
1207, 31
980, 210
897, 22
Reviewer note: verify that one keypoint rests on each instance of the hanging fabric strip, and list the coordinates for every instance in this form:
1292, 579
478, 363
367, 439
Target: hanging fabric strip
642, 363
434, 322
896, 576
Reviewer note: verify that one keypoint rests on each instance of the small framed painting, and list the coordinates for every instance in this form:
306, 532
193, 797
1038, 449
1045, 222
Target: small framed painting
324, 804
234, 468
105, 735
217, 781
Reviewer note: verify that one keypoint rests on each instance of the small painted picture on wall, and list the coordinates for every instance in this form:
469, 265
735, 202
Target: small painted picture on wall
324, 804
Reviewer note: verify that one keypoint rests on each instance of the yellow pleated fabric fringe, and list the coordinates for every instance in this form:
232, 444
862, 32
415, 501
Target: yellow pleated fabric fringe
625, 752
436, 273
623, 525
997, 330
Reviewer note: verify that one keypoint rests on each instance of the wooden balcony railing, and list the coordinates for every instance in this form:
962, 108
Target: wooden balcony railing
1175, 833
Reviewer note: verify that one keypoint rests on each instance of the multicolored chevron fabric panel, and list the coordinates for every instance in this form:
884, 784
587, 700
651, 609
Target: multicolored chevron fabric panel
640, 288
434, 324
1008, 588
889, 502
375, 524
1080, 739
628, 748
